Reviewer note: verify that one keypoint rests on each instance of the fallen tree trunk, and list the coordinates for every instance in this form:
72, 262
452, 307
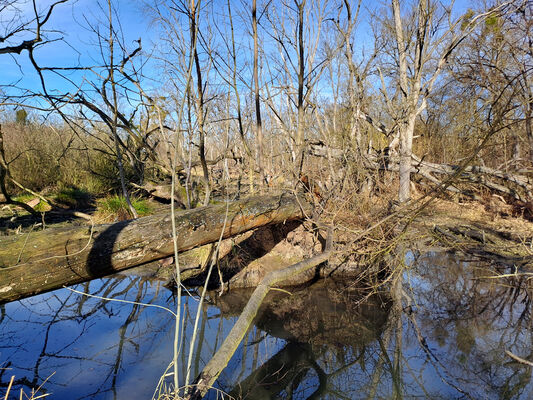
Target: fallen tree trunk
41, 261
517, 187
500, 248
513, 185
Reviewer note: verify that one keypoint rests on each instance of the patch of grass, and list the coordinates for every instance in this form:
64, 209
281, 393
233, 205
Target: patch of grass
24, 197
42, 207
74, 197
115, 208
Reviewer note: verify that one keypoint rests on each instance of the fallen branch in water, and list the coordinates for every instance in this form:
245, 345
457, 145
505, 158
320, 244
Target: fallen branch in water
220, 360
519, 359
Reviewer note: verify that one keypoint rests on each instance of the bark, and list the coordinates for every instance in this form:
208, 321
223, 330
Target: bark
300, 134
406, 145
258, 123
200, 107
529, 129
46, 260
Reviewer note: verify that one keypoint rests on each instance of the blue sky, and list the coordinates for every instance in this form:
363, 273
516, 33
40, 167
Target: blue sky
78, 47
72, 19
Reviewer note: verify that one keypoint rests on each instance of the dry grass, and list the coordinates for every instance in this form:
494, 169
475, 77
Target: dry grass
33, 395
445, 212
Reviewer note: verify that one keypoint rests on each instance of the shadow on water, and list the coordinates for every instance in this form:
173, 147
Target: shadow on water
441, 333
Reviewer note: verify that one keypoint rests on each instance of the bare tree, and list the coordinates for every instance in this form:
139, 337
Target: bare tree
422, 46
296, 29
258, 123
16, 27
114, 101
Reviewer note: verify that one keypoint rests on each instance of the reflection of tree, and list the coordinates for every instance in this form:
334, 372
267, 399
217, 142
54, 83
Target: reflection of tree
326, 313
330, 331
442, 335
470, 319
63, 330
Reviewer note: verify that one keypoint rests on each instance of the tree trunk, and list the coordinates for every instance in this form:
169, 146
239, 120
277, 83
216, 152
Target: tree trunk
258, 123
300, 134
529, 130
200, 108
406, 150
46, 260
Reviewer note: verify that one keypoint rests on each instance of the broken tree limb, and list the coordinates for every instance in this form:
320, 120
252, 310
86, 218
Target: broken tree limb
220, 360
512, 185
46, 260
498, 247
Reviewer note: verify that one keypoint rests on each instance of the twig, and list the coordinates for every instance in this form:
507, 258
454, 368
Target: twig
121, 301
9, 386
25, 242
66, 255
519, 359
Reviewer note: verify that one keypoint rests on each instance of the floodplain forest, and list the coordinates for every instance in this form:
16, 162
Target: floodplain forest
269, 146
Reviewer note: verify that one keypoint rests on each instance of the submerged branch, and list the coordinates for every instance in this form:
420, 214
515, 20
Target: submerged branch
220, 360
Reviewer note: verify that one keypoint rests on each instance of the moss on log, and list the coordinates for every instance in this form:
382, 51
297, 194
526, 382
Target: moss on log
41, 261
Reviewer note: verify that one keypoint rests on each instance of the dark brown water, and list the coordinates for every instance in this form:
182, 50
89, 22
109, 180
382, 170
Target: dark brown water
446, 339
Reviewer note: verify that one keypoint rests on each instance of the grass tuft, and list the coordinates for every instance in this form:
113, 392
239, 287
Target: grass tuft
115, 208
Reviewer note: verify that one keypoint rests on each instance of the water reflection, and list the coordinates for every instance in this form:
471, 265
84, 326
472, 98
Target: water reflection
441, 332
327, 329
466, 318
82, 346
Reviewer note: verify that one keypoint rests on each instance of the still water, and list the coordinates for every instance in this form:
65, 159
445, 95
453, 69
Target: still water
441, 334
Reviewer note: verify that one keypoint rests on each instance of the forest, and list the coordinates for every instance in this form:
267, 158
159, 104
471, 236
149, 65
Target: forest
244, 153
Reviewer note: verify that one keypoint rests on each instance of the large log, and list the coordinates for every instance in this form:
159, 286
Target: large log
46, 260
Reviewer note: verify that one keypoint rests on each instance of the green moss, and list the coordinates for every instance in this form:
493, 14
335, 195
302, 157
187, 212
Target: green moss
24, 198
116, 205
42, 207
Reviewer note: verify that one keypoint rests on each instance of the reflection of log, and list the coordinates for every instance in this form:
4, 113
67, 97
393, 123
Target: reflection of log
46, 260
328, 316
220, 359
327, 313
280, 371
